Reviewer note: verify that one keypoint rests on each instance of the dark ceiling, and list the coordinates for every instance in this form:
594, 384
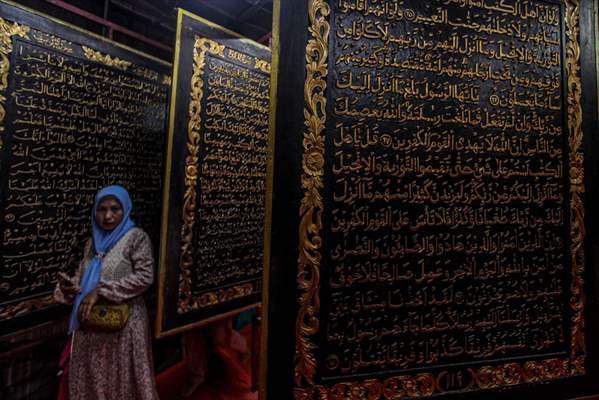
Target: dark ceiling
156, 20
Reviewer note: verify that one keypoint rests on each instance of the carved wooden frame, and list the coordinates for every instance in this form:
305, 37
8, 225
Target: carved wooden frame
309, 246
180, 308
187, 301
8, 32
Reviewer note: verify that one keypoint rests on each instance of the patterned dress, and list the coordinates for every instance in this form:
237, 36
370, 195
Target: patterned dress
118, 365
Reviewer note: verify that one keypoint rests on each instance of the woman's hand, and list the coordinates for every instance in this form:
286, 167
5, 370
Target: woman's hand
86, 305
67, 286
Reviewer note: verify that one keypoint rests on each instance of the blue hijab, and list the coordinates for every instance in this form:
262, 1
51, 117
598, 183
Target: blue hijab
103, 241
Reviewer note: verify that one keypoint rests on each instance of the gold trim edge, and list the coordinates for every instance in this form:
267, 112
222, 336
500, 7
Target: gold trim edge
167, 183
105, 59
202, 46
576, 179
311, 207
272, 119
7, 31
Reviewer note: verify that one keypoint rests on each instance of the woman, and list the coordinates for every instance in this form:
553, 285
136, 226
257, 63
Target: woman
118, 266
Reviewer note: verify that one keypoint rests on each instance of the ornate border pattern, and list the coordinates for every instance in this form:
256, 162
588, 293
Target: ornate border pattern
426, 384
308, 278
7, 31
577, 230
311, 208
105, 59
201, 47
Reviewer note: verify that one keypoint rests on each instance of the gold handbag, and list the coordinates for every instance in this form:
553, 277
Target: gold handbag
107, 317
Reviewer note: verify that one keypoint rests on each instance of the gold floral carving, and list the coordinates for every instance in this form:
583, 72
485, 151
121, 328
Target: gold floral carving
577, 230
426, 384
308, 279
308, 275
202, 46
7, 31
105, 59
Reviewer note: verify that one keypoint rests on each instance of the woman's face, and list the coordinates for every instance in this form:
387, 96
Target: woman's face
109, 213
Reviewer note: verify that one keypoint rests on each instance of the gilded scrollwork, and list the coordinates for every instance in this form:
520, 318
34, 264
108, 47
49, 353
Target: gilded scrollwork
311, 208
426, 384
105, 59
7, 32
577, 230
202, 47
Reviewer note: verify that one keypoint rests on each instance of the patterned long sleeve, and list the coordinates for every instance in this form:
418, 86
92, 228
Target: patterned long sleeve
58, 295
132, 285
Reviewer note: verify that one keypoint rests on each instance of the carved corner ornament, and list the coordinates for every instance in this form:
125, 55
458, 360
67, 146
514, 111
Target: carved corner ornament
576, 179
7, 32
309, 260
105, 59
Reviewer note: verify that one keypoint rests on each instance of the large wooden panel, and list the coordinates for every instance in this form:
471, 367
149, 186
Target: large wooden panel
211, 259
77, 112
429, 224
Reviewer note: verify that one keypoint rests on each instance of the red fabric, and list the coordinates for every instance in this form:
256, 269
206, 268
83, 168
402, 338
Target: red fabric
230, 379
63, 386
255, 349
